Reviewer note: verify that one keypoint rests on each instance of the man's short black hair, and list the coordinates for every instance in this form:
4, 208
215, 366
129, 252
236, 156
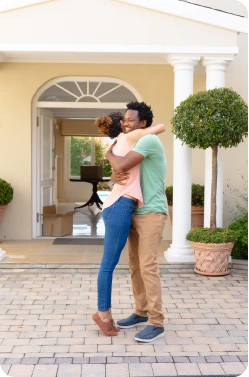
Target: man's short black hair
144, 111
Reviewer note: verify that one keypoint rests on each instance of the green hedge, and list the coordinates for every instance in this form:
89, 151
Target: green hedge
6, 192
240, 228
197, 195
205, 235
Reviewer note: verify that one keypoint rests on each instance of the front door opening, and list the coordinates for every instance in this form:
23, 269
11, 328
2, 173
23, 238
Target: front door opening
66, 139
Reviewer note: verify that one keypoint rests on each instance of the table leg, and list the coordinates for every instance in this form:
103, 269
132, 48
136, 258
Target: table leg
94, 198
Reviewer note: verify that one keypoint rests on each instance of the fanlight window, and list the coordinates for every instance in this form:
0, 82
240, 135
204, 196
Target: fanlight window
87, 91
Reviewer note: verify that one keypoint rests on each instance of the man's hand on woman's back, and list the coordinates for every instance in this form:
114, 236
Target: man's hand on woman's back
119, 178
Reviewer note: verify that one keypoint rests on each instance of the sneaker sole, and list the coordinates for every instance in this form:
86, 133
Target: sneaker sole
150, 340
128, 327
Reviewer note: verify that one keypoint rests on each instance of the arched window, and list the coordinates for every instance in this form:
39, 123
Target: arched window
91, 90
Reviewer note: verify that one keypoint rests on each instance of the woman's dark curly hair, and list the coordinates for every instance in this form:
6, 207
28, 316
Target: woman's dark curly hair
110, 125
144, 111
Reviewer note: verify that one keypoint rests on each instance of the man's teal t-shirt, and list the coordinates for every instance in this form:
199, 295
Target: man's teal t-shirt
152, 175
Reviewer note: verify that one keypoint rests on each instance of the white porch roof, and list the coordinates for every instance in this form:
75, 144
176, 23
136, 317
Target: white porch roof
115, 31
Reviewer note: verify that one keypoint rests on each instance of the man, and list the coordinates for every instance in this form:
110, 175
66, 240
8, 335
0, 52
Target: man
147, 223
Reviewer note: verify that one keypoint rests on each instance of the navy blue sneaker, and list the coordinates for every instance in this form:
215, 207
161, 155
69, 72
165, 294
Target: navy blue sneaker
150, 333
132, 321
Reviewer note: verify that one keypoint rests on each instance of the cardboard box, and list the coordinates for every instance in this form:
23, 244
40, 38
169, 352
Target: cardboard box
56, 225
91, 172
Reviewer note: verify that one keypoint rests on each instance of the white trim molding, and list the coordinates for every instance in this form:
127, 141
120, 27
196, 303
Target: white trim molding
103, 48
121, 54
2, 254
82, 105
195, 13
8, 5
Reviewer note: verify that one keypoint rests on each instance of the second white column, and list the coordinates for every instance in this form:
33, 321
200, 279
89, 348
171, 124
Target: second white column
180, 249
216, 78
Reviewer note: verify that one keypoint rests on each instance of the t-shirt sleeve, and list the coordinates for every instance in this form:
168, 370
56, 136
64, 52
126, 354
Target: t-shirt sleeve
146, 146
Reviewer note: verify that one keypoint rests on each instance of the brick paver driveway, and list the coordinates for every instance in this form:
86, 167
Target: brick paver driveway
46, 328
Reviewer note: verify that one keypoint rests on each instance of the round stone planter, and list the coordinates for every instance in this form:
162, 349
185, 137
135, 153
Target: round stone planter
2, 210
212, 258
197, 216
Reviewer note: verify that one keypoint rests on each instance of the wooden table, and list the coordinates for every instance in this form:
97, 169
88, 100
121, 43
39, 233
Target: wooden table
94, 198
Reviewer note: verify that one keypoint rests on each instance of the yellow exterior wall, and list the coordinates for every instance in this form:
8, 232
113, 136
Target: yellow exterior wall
20, 81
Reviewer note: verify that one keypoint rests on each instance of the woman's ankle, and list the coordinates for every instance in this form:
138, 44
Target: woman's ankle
105, 316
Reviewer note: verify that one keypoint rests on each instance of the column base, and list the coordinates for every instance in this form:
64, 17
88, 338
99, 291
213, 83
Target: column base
178, 253
2, 254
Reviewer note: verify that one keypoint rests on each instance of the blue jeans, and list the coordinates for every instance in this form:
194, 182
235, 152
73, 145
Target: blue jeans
117, 220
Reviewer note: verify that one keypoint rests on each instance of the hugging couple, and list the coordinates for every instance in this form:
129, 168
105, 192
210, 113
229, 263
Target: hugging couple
136, 209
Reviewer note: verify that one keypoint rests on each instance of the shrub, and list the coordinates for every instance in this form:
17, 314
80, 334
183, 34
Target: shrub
206, 235
197, 195
6, 192
169, 194
240, 228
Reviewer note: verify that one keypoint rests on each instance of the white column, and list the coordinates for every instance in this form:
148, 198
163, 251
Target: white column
215, 78
2, 254
180, 249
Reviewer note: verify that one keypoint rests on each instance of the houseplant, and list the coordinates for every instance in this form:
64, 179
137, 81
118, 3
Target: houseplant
213, 118
197, 204
6, 196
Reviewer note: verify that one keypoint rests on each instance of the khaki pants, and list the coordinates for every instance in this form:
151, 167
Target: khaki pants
144, 240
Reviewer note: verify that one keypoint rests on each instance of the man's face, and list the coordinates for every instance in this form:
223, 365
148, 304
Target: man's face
131, 121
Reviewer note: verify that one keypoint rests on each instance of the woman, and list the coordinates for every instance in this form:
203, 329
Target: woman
117, 212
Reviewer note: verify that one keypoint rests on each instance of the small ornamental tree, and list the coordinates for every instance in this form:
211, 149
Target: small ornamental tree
213, 118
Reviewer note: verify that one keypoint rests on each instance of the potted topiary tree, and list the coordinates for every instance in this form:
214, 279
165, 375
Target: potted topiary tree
213, 118
6, 196
197, 205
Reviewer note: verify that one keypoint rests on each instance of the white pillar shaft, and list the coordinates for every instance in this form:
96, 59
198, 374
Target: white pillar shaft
215, 78
180, 249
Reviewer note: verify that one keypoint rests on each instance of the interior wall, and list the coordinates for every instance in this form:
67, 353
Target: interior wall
71, 191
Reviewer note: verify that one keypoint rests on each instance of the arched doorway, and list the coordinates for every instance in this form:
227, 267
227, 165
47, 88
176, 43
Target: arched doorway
67, 97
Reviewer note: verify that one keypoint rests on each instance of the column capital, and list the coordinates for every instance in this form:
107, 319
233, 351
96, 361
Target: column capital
217, 63
182, 61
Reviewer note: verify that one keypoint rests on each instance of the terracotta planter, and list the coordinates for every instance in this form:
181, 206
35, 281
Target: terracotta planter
212, 258
2, 210
197, 216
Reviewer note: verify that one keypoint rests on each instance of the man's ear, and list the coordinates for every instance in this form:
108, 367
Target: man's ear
144, 122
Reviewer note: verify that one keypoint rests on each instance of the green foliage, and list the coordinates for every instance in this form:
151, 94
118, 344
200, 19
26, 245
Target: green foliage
6, 192
81, 148
240, 228
214, 117
79, 145
103, 186
100, 159
205, 235
169, 194
197, 195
